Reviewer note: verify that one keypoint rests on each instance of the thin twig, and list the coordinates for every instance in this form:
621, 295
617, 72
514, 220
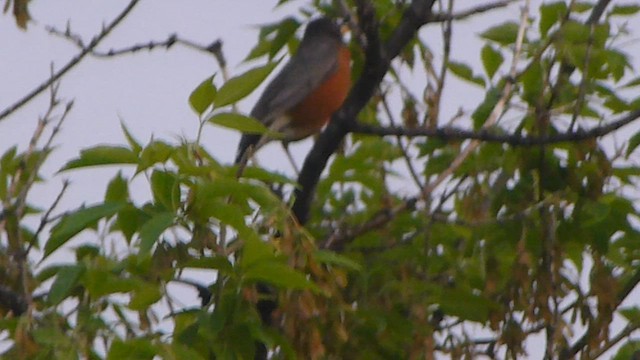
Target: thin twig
71, 64
448, 16
46, 218
496, 113
215, 48
436, 99
624, 333
582, 89
403, 148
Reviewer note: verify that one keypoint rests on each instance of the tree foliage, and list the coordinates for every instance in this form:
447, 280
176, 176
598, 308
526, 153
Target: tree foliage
514, 219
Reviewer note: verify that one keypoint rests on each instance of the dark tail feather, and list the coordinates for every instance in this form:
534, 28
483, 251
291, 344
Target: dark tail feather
246, 142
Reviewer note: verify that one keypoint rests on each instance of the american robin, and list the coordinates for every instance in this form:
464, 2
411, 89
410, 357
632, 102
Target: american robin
308, 90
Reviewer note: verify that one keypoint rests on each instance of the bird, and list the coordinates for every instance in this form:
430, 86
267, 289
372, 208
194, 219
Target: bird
303, 96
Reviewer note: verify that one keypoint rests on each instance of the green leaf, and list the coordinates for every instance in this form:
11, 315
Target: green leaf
102, 155
144, 296
155, 152
551, 13
89, 251
133, 143
632, 314
624, 173
129, 220
7, 169
242, 85
102, 281
581, 7
178, 351
255, 251
132, 349
628, 351
533, 84
263, 47
616, 62
245, 124
430, 145
624, 10
574, 32
278, 274
616, 104
464, 72
51, 336
210, 201
483, 110
165, 188
202, 97
330, 257
232, 215
286, 29
465, 305
265, 198
117, 190
491, 60
66, 280
633, 82
218, 263
440, 162
504, 34
151, 230
594, 213
75, 222
252, 172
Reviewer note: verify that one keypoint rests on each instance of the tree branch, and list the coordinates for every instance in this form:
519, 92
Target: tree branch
214, 48
489, 135
441, 17
579, 345
71, 64
597, 11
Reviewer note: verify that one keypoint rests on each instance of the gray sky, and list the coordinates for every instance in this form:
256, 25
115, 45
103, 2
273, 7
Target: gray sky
147, 90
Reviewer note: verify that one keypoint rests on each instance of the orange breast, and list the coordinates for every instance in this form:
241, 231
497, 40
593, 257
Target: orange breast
310, 115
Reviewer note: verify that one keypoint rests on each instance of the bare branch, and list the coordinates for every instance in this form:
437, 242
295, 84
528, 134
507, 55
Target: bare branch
489, 135
624, 333
441, 17
338, 239
496, 113
404, 149
71, 64
151, 45
46, 218
597, 11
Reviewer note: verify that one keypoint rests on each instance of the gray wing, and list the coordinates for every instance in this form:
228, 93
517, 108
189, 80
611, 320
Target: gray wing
310, 67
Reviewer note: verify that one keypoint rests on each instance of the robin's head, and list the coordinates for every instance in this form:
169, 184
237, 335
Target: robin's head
323, 27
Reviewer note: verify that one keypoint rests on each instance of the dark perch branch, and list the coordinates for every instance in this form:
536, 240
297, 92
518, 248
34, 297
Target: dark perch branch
440, 17
454, 133
376, 66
